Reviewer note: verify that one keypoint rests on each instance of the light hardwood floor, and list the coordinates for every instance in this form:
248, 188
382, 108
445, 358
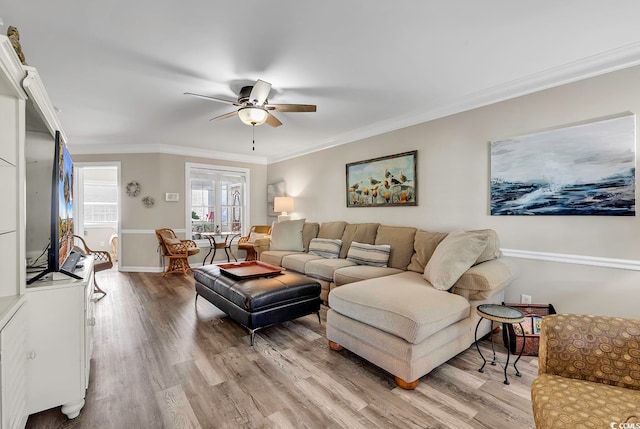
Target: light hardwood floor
160, 361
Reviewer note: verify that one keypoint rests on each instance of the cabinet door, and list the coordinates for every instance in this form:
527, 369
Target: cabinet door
14, 371
90, 321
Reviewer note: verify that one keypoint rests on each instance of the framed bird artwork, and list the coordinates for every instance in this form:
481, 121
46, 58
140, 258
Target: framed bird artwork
386, 181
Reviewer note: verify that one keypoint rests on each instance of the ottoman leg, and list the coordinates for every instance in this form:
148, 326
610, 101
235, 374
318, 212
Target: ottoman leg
335, 346
319, 320
405, 384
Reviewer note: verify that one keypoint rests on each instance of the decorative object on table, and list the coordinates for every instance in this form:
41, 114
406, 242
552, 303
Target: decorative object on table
133, 189
283, 205
274, 190
507, 316
14, 37
532, 340
172, 196
586, 169
148, 202
386, 181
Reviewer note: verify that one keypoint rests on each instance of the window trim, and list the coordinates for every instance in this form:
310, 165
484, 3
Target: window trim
219, 169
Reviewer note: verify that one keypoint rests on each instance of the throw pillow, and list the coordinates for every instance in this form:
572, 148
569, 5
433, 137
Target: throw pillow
369, 254
287, 235
256, 235
325, 247
453, 256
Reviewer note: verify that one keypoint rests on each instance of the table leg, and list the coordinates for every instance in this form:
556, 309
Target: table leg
214, 254
231, 251
493, 346
506, 365
478, 347
524, 338
204, 261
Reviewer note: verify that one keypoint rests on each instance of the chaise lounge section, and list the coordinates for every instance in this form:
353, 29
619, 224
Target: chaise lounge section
406, 314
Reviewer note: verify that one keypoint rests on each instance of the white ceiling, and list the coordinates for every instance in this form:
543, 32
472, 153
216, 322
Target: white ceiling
118, 69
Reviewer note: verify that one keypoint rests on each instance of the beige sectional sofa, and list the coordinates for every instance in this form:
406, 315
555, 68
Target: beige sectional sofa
407, 317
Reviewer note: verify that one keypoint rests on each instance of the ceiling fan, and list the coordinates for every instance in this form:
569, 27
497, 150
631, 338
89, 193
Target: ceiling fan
254, 108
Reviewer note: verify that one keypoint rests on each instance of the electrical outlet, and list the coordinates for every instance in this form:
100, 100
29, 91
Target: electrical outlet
525, 299
102, 244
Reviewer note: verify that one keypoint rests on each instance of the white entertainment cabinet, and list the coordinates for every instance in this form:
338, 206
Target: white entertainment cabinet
46, 328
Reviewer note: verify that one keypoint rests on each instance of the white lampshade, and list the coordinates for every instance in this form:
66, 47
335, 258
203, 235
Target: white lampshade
283, 204
253, 115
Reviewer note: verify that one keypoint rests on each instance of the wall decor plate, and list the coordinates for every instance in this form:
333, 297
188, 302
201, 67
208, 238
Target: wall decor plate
133, 189
148, 202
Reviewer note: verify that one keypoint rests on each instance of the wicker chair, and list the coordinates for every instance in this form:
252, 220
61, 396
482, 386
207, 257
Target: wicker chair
176, 250
246, 243
102, 261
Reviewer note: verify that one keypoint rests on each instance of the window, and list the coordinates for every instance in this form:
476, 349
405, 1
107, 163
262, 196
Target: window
100, 203
216, 199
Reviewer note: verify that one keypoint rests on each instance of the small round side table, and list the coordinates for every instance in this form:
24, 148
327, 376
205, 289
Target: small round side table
505, 315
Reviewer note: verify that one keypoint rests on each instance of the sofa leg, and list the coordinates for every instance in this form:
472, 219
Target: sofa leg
335, 346
405, 384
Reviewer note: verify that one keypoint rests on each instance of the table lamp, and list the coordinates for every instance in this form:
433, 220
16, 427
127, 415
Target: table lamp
283, 205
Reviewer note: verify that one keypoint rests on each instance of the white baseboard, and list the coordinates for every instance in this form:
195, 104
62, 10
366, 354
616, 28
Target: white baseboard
595, 261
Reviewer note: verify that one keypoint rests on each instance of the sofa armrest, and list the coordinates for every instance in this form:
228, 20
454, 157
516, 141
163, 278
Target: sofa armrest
484, 280
260, 245
600, 349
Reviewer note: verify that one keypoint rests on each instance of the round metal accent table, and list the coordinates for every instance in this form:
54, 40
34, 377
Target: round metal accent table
505, 315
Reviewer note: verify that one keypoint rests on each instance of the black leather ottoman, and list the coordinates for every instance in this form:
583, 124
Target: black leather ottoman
259, 302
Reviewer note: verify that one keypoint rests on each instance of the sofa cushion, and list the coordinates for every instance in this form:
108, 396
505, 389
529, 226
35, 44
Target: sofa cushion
453, 256
297, 261
287, 235
325, 247
483, 280
323, 269
424, 245
402, 304
274, 257
358, 273
492, 251
401, 239
332, 229
369, 254
360, 232
309, 231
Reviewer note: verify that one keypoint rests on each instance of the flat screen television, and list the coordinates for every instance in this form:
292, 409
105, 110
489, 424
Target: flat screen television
60, 257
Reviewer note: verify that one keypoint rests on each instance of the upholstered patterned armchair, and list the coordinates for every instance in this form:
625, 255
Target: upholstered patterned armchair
589, 372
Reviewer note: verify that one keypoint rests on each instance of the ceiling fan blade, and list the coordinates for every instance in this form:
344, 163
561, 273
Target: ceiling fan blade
273, 121
206, 97
225, 116
291, 107
260, 92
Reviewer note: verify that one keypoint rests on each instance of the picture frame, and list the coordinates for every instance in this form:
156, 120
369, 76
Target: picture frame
383, 182
537, 325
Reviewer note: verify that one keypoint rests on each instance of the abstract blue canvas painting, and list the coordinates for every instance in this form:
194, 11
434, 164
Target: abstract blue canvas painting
586, 169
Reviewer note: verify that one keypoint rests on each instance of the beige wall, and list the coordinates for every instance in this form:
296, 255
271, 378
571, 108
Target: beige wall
454, 193
158, 174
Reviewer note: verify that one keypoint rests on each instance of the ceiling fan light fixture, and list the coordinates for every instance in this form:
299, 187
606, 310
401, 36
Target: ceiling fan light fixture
253, 115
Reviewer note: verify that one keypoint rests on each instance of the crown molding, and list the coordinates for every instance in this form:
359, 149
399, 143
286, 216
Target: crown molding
37, 93
11, 67
89, 149
594, 261
595, 65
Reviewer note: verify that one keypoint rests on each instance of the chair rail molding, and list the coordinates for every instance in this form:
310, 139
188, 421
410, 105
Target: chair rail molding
148, 231
595, 261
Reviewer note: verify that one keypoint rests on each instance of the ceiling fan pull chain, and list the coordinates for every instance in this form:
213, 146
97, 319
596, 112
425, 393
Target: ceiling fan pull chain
253, 128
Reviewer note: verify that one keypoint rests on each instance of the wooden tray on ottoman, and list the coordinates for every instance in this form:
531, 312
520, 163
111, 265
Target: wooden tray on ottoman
532, 342
249, 270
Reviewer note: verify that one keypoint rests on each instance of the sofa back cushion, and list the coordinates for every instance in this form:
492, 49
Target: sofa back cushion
453, 256
325, 247
287, 235
401, 239
360, 232
332, 230
424, 245
369, 254
309, 231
